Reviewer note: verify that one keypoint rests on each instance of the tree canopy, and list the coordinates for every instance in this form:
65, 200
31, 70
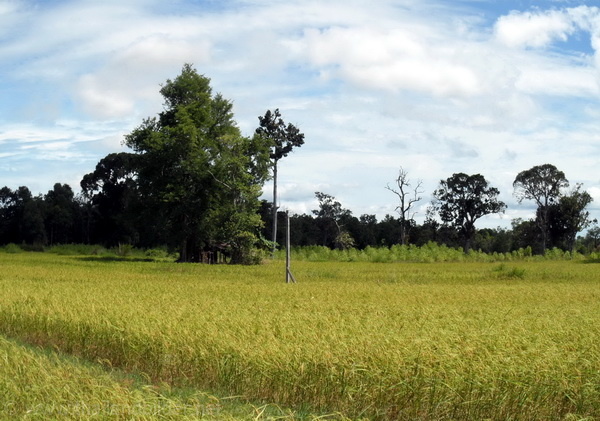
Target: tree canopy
542, 184
197, 172
462, 199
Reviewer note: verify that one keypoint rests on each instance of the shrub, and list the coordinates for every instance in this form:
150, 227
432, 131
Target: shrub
12, 248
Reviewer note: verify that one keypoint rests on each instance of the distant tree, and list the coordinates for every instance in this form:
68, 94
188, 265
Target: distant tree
462, 199
569, 216
113, 194
331, 214
388, 231
502, 242
304, 230
11, 211
592, 238
282, 139
21, 217
429, 230
407, 196
526, 233
542, 184
31, 227
365, 232
60, 213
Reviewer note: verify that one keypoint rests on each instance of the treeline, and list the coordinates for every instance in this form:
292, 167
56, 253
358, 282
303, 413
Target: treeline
367, 231
62, 217
458, 202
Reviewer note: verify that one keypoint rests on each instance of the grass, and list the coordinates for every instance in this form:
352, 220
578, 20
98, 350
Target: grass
468, 340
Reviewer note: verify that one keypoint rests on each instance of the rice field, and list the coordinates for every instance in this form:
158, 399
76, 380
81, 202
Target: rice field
464, 340
42, 385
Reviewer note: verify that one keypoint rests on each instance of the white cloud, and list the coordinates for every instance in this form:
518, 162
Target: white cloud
531, 29
130, 77
392, 60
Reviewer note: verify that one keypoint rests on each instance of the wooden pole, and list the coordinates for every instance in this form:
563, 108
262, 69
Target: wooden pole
288, 273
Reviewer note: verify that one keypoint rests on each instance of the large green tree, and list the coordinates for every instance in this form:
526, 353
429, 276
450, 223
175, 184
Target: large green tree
569, 216
282, 138
462, 199
198, 173
542, 184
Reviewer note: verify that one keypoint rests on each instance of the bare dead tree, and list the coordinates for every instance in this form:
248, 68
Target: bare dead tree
407, 196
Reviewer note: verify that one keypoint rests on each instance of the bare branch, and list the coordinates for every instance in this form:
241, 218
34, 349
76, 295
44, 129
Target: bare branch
407, 198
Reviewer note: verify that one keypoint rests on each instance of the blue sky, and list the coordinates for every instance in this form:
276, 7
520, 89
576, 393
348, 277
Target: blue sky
433, 86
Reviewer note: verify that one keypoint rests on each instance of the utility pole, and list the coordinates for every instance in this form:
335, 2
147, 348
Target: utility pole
274, 210
288, 273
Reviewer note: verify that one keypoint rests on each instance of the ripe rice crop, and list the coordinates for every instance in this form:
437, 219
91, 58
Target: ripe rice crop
37, 384
466, 340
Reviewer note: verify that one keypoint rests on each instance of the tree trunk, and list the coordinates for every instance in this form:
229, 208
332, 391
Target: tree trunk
403, 233
467, 246
274, 236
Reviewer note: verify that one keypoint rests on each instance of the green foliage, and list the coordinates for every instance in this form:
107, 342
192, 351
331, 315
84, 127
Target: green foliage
124, 250
504, 272
11, 248
429, 253
282, 138
542, 184
77, 249
160, 254
462, 199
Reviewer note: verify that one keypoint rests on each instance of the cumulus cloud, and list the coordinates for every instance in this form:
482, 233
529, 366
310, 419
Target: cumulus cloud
130, 76
534, 29
389, 60
541, 28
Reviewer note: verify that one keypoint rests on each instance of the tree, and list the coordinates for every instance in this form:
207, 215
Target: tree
592, 238
331, 215
60, 213
21, 217
32, 227
568, 217
282, 139
197, 173
365, 231
113, 194
462, 199
407, 197
542, 184
525, 234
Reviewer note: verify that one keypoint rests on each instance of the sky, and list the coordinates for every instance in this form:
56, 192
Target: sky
435, 87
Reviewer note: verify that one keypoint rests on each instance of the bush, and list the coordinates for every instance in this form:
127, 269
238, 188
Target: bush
12, 248
77, 249
38, 247
124, 250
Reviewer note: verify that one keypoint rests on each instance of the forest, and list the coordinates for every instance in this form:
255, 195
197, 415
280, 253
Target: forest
193, 183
